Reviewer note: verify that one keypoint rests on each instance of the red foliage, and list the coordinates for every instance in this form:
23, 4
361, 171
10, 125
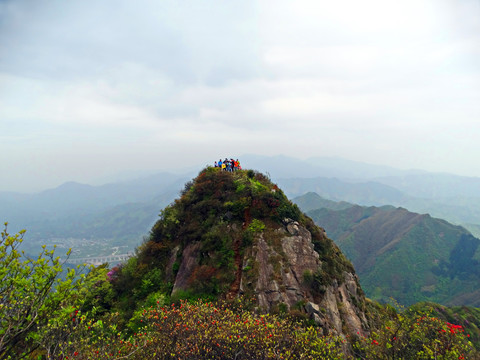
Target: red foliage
201, 274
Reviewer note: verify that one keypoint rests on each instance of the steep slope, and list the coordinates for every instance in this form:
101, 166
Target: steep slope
236, 234
407, 256
473, 228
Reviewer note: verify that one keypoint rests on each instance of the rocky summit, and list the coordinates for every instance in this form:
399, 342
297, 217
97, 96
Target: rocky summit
235, 234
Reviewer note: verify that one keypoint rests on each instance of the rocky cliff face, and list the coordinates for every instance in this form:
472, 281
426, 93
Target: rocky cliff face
279, 272
334, 306
236, 234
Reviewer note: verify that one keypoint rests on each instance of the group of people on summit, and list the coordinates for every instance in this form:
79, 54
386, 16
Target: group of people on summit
228, 165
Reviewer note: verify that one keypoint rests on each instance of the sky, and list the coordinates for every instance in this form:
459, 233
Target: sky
90, 89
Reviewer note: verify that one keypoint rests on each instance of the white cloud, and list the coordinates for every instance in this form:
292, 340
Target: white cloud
138, 84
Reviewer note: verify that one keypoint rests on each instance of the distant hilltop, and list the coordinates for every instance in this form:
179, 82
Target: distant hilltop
401, 254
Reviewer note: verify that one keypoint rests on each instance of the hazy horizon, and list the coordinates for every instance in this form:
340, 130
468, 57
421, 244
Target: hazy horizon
126, 175
92, 89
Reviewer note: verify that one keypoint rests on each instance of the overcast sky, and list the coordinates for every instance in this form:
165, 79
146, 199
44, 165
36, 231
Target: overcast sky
92, 88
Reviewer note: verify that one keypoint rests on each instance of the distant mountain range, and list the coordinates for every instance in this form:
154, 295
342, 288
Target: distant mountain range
282, 166
397, 253
457, 210
124, 211
121, 213
451, 197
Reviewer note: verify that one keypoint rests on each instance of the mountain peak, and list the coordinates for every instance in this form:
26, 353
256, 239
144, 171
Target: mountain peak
234, 234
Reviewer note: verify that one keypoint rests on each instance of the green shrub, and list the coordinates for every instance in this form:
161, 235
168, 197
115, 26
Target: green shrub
415, 335
204, 330
256, 226
36, 304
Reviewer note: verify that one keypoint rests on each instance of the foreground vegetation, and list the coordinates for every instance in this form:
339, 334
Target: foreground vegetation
45, 317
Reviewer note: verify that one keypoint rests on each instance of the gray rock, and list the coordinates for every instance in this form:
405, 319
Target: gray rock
312, 308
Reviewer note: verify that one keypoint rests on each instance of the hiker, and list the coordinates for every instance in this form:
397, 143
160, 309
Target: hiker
228, 165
